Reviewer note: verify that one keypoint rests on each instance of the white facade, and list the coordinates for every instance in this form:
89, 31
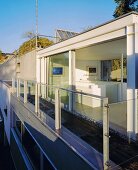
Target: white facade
28, 66
109, 41
90, 49
75, 77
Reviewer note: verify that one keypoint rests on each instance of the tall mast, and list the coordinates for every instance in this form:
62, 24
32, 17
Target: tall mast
36, 23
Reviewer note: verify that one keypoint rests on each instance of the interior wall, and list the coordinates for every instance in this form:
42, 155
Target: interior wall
82, 73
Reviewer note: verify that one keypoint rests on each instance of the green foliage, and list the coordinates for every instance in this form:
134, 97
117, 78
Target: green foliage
125, 6
1, 57
31, 45
116, 64
0, 53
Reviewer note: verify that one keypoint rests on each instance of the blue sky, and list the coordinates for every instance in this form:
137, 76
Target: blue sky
18, 17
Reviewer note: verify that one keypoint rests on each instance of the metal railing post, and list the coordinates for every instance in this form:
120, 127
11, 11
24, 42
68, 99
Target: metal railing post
106, 134
57, 110
19, 87
25, 91
36, 98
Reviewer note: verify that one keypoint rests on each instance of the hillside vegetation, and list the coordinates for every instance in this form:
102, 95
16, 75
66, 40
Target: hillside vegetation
31, 45
2, 58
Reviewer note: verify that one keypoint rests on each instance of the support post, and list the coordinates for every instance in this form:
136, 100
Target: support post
25, 91
122, 68
136, 88
47, 76
42, 88
19, 87
36, 98
105, 134
71, 79
44, 77
57, 110
132, 80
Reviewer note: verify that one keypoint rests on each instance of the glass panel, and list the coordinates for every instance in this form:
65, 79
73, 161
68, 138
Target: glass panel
89, 107
59, 70
123, 147
106, 69
15, 86
116, 70
46, 102
21, 88
82, 115
31, 92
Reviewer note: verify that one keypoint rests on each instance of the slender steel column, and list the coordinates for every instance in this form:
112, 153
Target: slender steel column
57, 110
25, 91
105, 134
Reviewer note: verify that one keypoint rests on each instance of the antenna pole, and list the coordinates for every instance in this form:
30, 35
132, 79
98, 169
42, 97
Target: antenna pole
36, 23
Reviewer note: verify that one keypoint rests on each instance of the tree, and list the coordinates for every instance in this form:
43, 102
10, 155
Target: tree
1, 57
125, 6
31, 45
0, 53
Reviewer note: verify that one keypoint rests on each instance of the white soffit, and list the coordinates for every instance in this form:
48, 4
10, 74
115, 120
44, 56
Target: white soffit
104, 51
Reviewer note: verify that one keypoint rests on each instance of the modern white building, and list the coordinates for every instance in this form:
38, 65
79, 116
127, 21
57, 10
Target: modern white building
76, 77
85, 63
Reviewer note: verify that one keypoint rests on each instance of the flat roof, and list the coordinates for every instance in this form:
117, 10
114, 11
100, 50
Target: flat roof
115, 19
130, 13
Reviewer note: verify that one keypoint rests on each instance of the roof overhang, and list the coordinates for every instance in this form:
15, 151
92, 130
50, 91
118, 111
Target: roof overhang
103, 51
111, 30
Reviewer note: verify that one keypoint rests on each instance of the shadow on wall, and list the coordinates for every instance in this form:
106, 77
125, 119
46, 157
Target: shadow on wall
60, 154
8, 70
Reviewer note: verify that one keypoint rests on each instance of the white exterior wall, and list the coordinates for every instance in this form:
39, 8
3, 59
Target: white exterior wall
132, 80
8, 69
28, 66
5, 102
